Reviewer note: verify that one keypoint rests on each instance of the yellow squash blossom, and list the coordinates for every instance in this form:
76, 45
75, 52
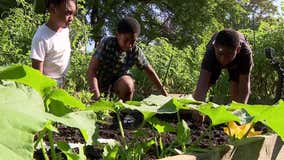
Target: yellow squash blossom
239, 132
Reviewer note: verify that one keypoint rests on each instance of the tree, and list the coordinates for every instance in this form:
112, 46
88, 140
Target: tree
182, 22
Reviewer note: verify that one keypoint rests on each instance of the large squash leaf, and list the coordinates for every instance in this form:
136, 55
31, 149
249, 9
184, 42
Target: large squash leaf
29, 76
22, 115
150, 106
84, 120
218, 115
160, 104
155, 104
161, 126
66, 99
59, 102
102, 105
271, 116
156, 100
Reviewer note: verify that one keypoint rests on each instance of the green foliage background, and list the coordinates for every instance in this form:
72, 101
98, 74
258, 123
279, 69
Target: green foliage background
186, 45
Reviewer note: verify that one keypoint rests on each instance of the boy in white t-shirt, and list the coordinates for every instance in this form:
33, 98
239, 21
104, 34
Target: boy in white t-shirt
51, 44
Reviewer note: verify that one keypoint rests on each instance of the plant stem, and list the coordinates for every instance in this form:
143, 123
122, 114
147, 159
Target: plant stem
51, 143
40, 137
121, 131
210, 136
43, 150
183, 148
161, 144
170, 147
157, 148
167, 71
178, 116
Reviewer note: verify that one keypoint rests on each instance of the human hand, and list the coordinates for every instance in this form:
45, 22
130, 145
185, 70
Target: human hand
95, 98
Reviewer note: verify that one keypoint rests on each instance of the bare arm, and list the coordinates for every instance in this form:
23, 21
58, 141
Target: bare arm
234, 91
202, 85
154, 77
36, 64
240, 91
92, 78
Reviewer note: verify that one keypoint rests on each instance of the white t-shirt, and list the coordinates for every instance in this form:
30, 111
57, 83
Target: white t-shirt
53, 49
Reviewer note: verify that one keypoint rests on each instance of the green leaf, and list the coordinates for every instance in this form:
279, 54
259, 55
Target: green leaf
135, 103
58, 108
84, 120
173, 105
159, 104
142, 147
218, 115
22, 115
256, 111
59, 100
272, 116
50, 127
155, 100
183, 132
111, 151
243, 115
152, 105
103, 105
186, 101
161, 126
148, 115
146, 110
29, 76
143, 108
70, 154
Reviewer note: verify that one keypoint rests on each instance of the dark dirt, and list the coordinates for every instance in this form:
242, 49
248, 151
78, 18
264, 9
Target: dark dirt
73, 135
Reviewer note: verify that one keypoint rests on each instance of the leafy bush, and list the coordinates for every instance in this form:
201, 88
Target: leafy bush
179, 75
18, 26
17, 30
30, 108
33, 118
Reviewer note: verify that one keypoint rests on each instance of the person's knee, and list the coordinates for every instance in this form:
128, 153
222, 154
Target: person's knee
129, 86
125, 85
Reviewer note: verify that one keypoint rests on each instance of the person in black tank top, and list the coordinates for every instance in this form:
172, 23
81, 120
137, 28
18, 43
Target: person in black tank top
227, 49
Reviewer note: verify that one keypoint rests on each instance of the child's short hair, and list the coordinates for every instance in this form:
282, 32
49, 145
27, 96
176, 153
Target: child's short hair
229, 38
58, 2
128, 25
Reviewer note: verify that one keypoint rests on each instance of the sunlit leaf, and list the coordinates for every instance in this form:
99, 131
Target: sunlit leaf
272, 116
218, 115
22, 114
69, 153
62, 99
102, 105
183, 132
29, 76
161, 126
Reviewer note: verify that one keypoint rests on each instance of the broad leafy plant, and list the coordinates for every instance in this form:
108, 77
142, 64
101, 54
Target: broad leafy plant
23, 112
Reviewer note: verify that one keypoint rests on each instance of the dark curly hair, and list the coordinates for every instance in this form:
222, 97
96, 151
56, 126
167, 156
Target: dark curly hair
128, 25
229, 38
57, 2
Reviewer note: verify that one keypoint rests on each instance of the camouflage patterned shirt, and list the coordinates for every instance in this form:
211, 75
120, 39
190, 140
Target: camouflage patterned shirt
115, 63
